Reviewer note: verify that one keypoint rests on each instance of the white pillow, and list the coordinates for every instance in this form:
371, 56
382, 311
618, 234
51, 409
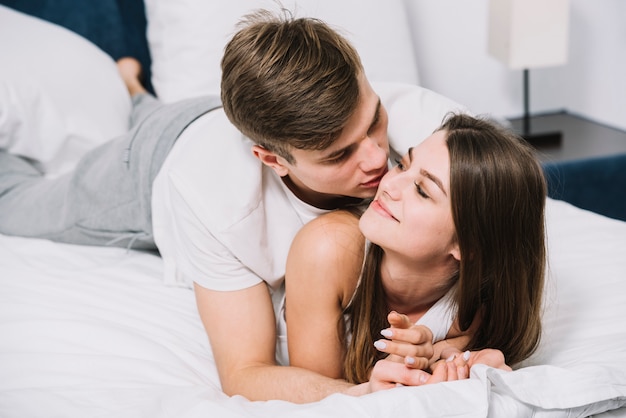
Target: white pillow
60, 95
187, 39
414, 112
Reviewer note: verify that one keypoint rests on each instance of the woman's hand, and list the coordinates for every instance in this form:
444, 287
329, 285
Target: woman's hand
489, 356
388, 374
406, 342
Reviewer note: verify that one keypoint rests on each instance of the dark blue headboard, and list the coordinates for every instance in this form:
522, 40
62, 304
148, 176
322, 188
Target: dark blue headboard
118, 27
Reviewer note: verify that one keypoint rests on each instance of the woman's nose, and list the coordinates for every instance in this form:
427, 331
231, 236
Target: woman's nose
394, 183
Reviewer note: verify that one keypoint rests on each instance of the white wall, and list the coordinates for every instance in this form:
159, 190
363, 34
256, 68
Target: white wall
450, 38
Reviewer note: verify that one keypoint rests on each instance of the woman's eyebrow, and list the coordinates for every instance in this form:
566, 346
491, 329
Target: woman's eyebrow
434, 179
429, 175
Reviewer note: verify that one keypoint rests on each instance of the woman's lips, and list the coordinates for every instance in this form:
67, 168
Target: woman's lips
380, 208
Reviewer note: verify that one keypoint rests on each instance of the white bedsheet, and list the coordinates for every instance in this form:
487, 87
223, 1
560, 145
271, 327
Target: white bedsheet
93, 332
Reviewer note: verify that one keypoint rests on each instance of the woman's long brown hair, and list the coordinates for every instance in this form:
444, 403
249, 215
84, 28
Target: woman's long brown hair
497, 193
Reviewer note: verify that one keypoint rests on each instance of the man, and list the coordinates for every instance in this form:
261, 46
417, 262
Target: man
295, 94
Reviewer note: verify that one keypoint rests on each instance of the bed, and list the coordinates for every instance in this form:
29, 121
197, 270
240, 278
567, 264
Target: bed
94, 332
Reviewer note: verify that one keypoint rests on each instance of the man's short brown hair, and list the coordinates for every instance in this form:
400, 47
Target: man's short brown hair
289, 82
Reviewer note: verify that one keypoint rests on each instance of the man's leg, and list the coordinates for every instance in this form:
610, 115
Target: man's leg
85, 206
143, 102
106, 200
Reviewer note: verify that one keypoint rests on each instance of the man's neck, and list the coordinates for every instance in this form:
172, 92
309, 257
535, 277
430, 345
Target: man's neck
320, 200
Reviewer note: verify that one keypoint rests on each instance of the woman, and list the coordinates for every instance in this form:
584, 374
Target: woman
459, 221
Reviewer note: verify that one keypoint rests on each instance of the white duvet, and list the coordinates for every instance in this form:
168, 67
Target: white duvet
93, 332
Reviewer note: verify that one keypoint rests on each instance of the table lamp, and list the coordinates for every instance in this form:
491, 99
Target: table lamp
525, 34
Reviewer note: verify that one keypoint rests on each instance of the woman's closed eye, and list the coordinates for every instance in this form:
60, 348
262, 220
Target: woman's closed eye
421, 191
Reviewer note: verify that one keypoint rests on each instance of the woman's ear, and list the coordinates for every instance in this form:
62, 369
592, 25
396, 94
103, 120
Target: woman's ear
271, 159
456, 252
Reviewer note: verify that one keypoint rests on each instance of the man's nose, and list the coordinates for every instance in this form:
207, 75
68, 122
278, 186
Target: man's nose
374, 156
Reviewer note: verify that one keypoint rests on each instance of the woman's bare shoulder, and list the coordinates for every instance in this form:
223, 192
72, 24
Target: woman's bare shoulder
337, 231
328, 248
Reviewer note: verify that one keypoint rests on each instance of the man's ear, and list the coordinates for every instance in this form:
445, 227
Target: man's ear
271, 159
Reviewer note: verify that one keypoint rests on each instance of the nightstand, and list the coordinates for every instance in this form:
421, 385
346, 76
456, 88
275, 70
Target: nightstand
588, 167
581, 138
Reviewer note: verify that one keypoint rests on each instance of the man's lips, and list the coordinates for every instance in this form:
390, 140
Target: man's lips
381, 209
375, 181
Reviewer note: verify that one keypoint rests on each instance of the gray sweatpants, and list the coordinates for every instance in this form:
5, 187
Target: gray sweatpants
106, 200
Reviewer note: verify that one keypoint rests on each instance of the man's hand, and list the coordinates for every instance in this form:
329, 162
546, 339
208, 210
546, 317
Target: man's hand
406, 342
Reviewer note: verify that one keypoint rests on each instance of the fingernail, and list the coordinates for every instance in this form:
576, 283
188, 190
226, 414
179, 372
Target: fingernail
423, 378
451, 358
381, 345
409, 360
387, 333
466, 355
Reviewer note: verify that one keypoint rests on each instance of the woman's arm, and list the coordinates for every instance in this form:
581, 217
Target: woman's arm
323, 269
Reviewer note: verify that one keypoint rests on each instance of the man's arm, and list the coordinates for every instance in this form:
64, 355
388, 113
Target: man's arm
241, 329
242, 332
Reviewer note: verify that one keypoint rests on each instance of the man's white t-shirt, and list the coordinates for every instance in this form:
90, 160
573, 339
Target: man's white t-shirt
221, 218
225, 221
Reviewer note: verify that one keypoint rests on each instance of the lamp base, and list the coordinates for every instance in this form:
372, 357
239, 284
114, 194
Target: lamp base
538, 140
544, 140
